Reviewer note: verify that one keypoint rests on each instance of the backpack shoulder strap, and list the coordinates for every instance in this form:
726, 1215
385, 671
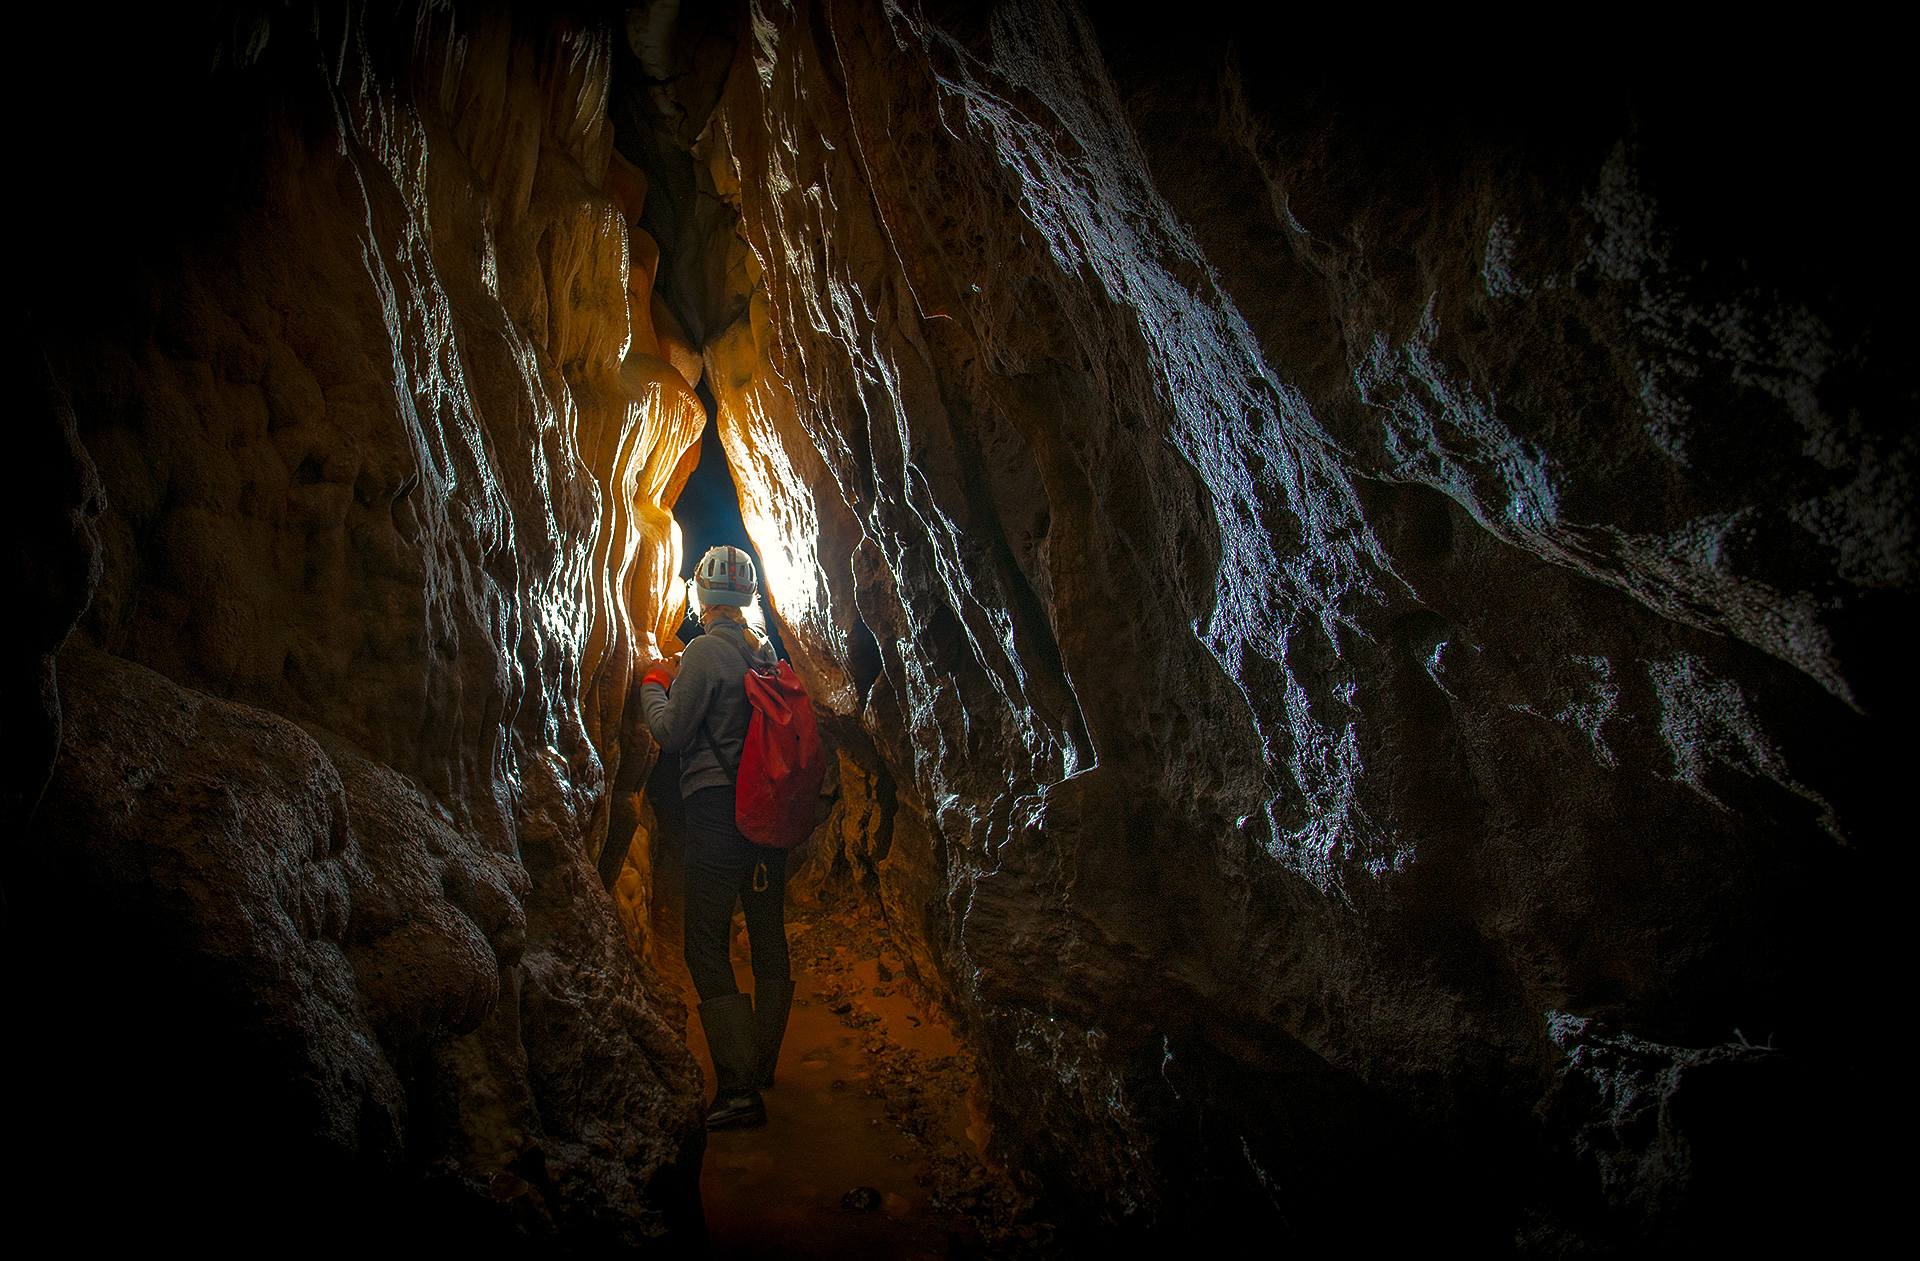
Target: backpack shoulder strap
733, 772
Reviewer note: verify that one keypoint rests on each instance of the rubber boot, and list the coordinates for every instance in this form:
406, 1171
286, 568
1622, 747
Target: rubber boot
772, 1000
728, 1023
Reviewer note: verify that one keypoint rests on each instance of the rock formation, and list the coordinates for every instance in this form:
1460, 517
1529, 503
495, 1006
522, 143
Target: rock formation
1346, 586
371, 439
1357, 609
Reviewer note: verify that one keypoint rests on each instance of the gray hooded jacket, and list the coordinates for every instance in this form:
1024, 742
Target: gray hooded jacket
711, 687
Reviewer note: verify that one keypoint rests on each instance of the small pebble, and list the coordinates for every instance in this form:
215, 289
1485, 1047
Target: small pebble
860, 1200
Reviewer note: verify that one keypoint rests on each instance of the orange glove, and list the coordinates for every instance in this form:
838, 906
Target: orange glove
659, 676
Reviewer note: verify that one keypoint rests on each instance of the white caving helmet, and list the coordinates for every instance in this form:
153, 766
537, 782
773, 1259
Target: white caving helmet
725, 576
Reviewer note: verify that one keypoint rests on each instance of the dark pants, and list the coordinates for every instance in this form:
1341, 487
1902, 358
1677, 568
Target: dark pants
723, 865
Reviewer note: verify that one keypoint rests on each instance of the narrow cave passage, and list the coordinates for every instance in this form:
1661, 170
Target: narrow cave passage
1467, 512
708, 511
876, 1134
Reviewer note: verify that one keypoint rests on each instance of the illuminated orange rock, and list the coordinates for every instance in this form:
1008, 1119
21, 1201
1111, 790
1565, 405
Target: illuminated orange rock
385, 517
627, 185
633, 890
645, 258
803, 537
673, 343
673, 422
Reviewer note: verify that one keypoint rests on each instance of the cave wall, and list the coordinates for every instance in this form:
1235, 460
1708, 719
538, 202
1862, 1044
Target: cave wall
1357, 603
1373, 593
359, 432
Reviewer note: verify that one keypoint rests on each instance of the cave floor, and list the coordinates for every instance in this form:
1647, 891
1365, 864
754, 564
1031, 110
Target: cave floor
872, 1091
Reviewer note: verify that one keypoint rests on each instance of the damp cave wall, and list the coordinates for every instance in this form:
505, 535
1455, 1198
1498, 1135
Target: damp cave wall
1356, 601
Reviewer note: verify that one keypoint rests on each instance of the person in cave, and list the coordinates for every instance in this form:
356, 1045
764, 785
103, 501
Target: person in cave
696, 705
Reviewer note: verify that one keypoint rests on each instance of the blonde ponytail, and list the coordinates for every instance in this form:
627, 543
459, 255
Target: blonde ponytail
730, 612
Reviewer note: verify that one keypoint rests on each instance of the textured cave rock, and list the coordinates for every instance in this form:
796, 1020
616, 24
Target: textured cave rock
357, 444
1356, 580
1329, 578
1671, 1140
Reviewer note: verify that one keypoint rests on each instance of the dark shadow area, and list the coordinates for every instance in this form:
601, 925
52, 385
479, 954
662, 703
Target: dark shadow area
669, 70
868, 664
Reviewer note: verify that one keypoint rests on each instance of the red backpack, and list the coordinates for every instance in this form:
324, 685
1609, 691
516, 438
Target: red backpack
777, 785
